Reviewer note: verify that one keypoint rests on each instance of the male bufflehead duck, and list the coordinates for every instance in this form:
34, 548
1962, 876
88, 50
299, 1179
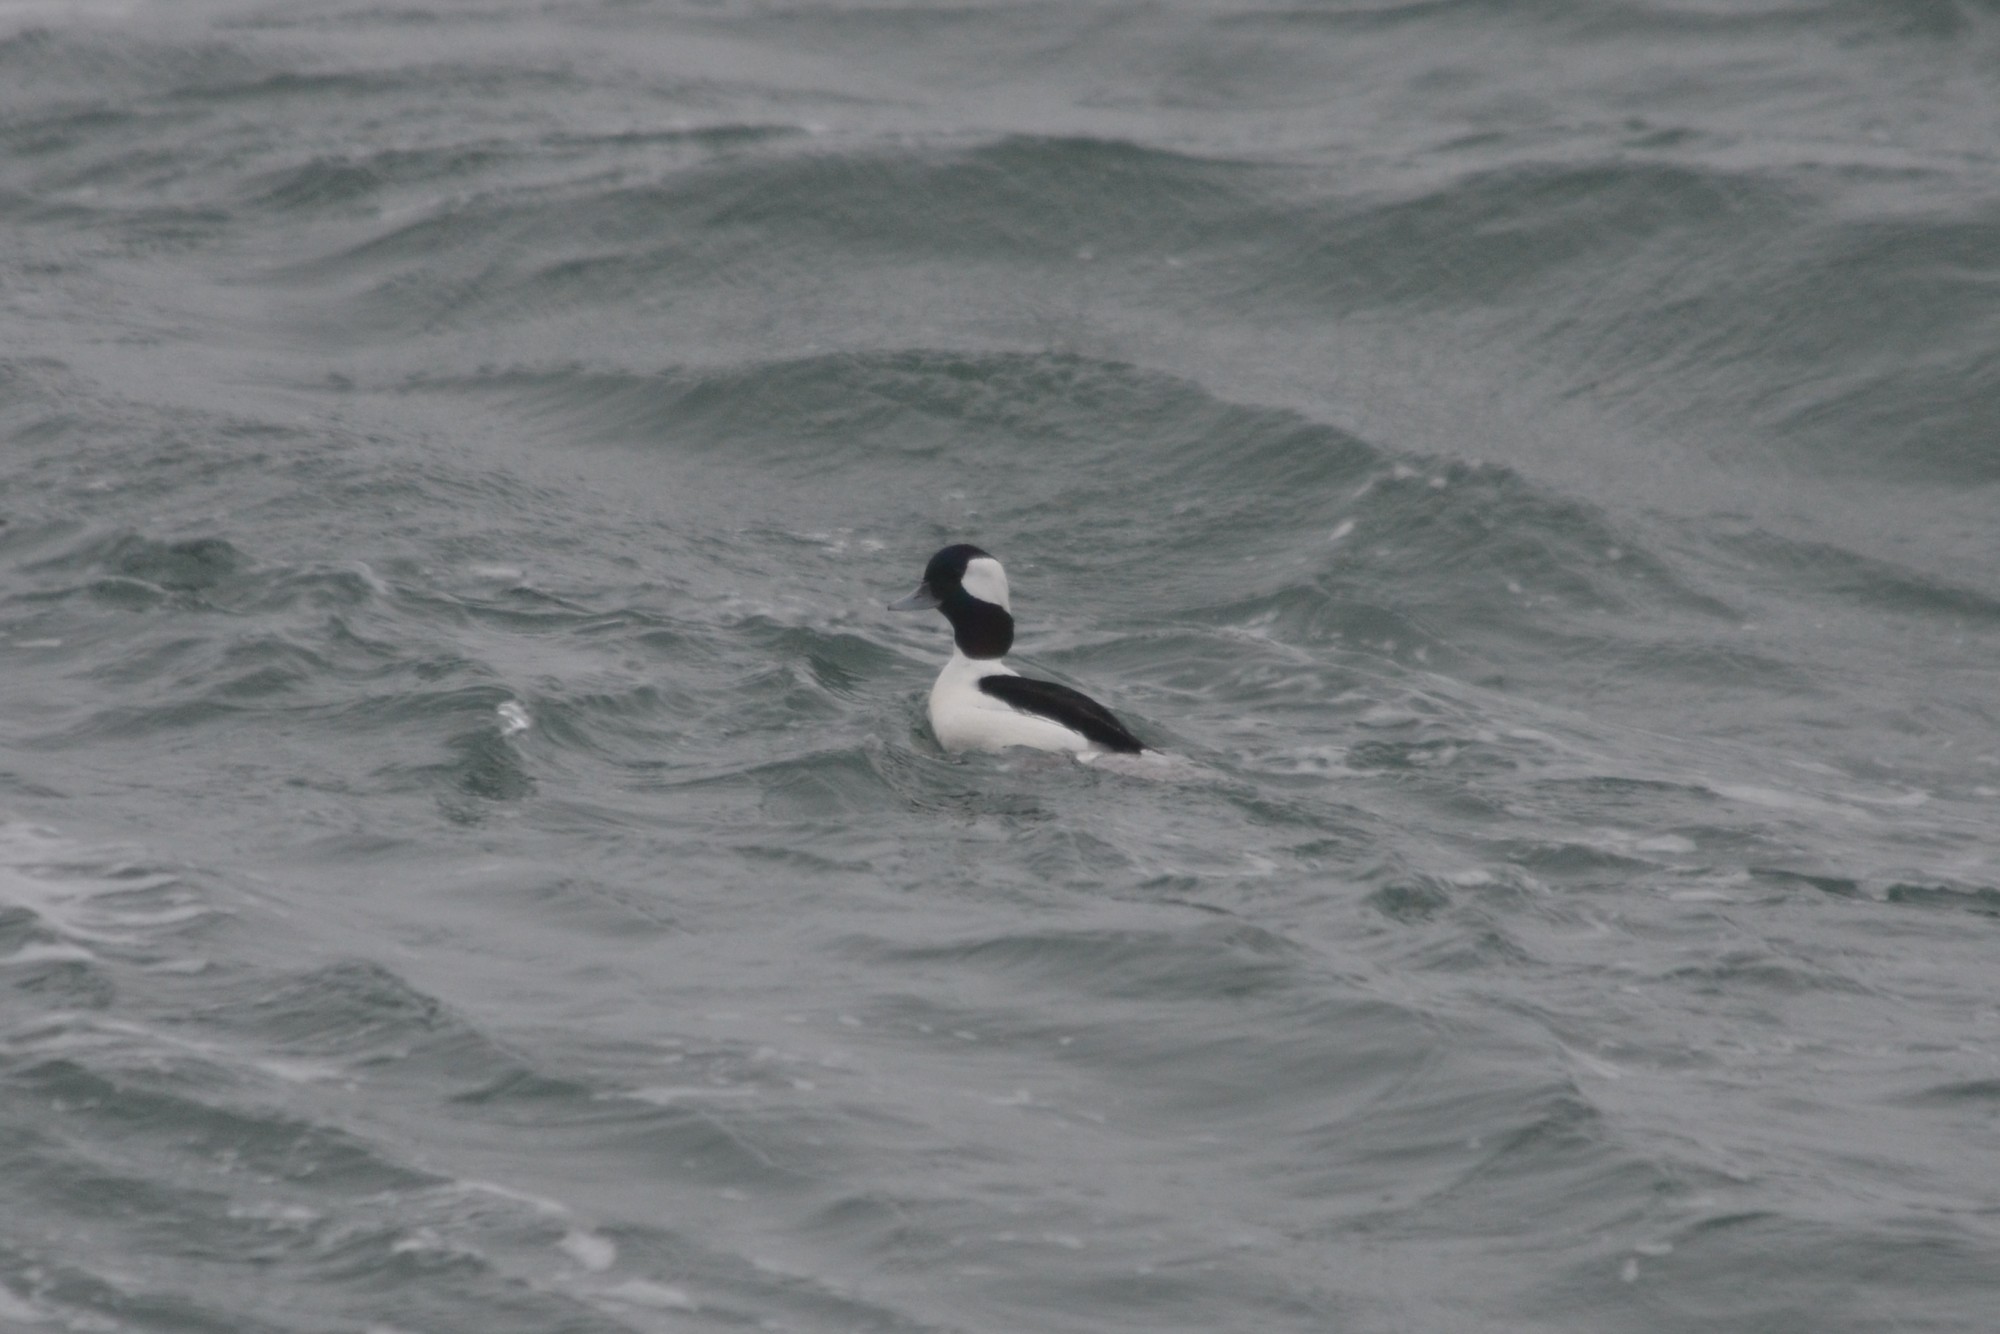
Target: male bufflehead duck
979, 702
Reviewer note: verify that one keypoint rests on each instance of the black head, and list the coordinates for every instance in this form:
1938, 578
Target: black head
969, 587
947, 569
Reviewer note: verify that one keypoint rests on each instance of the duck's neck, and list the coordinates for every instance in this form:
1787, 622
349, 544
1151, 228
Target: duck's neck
980, 629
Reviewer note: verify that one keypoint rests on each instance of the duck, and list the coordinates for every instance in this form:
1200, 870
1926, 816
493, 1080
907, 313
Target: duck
978, 701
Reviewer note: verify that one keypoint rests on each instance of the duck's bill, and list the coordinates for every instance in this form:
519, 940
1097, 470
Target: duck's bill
921, 600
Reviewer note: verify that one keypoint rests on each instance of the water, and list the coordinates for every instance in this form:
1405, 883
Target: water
472, 854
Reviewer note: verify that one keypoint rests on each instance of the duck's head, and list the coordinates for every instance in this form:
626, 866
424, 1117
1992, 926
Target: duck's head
970, 588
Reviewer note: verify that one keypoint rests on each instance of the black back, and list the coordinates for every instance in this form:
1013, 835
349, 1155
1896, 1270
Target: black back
1071, 708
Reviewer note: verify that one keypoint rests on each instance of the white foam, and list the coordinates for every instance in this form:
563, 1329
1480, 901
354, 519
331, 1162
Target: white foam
1159, 766
668, 1095
277, 1215
657, 1296
1387, 715
44, 953
594, 1252
293, 1071
87, 897
513, 718
1777, 799
539, 1203
1596, 1065
428, 1241
20, 1312
98, 1032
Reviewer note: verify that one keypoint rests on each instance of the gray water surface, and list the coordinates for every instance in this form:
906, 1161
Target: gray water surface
472, 856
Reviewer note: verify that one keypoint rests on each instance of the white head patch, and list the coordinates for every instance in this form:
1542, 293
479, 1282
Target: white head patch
985, 580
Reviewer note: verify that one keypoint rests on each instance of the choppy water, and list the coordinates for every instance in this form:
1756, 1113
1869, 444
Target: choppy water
472, 855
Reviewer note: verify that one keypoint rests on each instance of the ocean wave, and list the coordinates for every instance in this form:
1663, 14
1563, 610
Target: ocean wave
1523, 462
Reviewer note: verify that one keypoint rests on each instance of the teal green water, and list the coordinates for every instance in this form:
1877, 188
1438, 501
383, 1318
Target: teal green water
472, 856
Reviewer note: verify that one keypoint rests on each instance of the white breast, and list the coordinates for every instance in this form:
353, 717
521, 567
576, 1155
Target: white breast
967, 718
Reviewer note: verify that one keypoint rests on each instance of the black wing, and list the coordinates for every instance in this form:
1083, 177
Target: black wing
1071, 708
